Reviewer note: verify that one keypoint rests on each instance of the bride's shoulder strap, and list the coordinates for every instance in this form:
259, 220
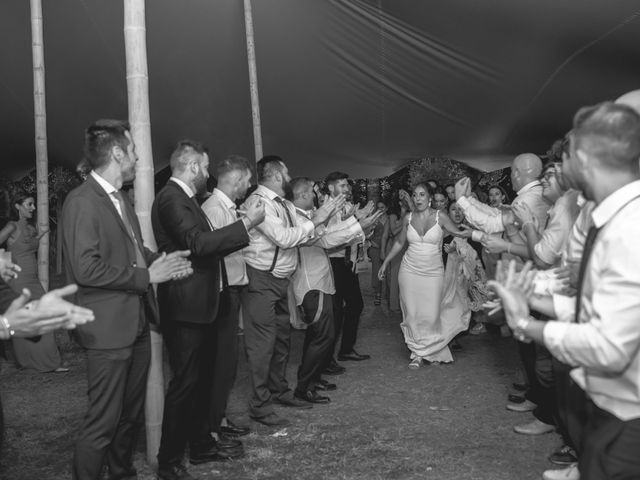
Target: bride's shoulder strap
437, 216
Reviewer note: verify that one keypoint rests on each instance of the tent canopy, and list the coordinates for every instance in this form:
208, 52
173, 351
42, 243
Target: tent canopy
357, 85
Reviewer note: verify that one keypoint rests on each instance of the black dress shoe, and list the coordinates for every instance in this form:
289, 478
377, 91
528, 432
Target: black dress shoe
334, 369
173, 472
326, 386
224, 443
312, 396
214, 454
353, 355
293, 402
521, 387
233, 430
516, 398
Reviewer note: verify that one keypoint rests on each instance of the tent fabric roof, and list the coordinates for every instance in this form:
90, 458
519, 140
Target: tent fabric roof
357, 85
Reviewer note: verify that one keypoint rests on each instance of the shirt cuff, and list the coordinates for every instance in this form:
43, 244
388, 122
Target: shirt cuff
476, 235
565, 307
553, 335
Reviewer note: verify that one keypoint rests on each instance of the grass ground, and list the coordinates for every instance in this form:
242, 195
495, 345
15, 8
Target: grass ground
384, 422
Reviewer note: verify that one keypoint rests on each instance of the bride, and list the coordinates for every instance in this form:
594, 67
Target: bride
421, 279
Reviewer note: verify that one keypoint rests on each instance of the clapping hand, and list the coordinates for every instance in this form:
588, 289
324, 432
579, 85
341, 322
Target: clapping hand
513, 288
567, 279
450, 247
173, 266
371, 220
365, 211
329, 208
8, 269
253, 210
47, 314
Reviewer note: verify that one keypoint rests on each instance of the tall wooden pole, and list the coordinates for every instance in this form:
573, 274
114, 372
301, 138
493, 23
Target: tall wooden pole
139, 118
253, 80
42, 161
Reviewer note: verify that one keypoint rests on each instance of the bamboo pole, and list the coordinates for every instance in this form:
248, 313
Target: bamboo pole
253, 80
42, 161
139, 118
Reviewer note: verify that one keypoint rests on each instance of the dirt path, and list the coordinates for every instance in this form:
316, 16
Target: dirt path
384, 422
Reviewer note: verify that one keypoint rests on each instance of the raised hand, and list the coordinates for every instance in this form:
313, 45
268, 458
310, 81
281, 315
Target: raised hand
462, 187
253, 210
170, 267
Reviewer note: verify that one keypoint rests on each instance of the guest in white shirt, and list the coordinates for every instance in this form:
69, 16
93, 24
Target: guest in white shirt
271, 259
313, 287
604, 343
234, 177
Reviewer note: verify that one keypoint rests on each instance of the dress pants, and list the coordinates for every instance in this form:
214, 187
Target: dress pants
610, 446
547, 409
267, 335
347, 304
318, 339
226, 361
187, 404
572, 401
117, 381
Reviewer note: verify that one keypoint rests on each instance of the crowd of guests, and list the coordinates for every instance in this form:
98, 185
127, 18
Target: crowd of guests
561, 260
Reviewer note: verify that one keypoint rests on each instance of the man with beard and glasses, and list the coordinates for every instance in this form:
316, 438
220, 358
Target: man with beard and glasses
271, 258
188, 310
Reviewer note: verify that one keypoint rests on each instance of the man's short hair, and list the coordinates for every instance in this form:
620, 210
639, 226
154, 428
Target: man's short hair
232, 163
333, 178
610, 132
300, 184
268, 166
100, 137
183, 152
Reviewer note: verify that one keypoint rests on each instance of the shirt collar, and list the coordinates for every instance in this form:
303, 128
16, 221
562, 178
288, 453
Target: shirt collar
528, 187
187, 189
103, 183
614, 202
267, 192
226, 201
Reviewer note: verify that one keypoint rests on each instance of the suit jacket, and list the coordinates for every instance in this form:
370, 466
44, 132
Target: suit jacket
180, 224
100, 257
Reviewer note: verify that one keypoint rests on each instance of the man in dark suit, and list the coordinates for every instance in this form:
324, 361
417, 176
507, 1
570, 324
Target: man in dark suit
189, 307
105, 256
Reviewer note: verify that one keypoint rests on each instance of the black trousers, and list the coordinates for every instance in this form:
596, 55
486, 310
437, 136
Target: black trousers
571, 401
610, 447
318, 339
347, 304
537, 366
191, 351
226, 347
117, 381
267, 335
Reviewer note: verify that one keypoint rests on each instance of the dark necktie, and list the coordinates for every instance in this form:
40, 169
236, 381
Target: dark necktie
140, 261
289, 220
584, 261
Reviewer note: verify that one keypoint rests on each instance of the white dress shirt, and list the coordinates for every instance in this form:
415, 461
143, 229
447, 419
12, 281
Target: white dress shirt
275, 231
314, 270
342, 252
489, 219
221, 211
605, 344
555, 235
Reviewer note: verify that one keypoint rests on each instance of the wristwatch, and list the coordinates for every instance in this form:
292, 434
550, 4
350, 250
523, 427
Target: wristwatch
521, 328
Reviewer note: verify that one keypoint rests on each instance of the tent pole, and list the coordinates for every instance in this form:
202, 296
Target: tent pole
42, 161
253, 80
139, 118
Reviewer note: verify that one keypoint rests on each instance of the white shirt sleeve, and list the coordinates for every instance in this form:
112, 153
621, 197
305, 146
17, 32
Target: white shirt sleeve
481, 216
